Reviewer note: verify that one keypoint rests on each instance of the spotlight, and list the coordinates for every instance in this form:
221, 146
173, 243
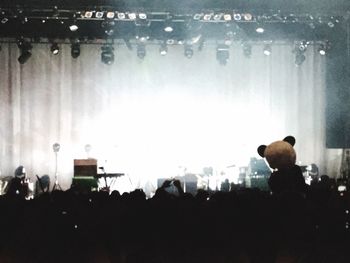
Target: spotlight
4, 20
75, 50
227, 17
302, 46
143, 16
55, 49
121, 16
107, 55
222, 54
110, 15
163, 50
323, 48
25, 48
25, 55
207, 17
169, 26
237, 16
188, 51
198, 16
247, 50
132, 16
99, 14
330, 24
170, 41
267, 50
218, 16
168, 29
259, 29
73, 27
88, 14
247, 17
141, 51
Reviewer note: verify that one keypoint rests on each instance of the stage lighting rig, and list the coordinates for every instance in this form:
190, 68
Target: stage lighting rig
299, 51
267, 50
54, 49
25, 49
75, 50
107, 54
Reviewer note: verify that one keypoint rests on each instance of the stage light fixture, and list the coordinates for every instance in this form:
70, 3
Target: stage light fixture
107, 54
207, 17
121, 16
323, 48
188, 51
132, 16
267, 50
247, 17
227, 17
55, 49
237, 16
330, 24
247, 50
25, 48
222, 54
143, 16
141, 51
198, 16
110, 15
218, 17
163, 50
259, 29
99, 14
168, 26
75, 50
73, 27
88, 14
302, 45
4, 20
170, 41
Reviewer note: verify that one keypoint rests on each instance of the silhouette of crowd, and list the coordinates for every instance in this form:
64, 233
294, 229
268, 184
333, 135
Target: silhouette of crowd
241, 225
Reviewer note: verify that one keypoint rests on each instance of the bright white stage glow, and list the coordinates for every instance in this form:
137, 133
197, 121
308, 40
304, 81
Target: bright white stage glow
159, 137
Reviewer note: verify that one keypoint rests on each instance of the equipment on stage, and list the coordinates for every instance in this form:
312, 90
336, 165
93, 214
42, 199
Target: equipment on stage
85, 172
56, 148
86, 177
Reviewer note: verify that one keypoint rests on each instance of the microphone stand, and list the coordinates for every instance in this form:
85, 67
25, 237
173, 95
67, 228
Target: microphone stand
56, 186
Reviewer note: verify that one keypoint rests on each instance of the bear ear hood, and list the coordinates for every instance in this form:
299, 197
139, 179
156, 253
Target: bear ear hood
261, 150
290, 140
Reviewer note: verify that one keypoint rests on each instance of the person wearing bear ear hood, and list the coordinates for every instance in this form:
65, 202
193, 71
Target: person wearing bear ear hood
286, 175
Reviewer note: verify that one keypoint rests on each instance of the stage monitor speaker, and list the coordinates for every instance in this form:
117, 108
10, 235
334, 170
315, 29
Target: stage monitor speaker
85, 167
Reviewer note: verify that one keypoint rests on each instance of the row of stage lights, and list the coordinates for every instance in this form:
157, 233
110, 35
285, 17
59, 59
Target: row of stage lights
222, 51
210, 16
71, 17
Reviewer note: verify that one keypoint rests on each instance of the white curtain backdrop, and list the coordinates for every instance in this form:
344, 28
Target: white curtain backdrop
153, 118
